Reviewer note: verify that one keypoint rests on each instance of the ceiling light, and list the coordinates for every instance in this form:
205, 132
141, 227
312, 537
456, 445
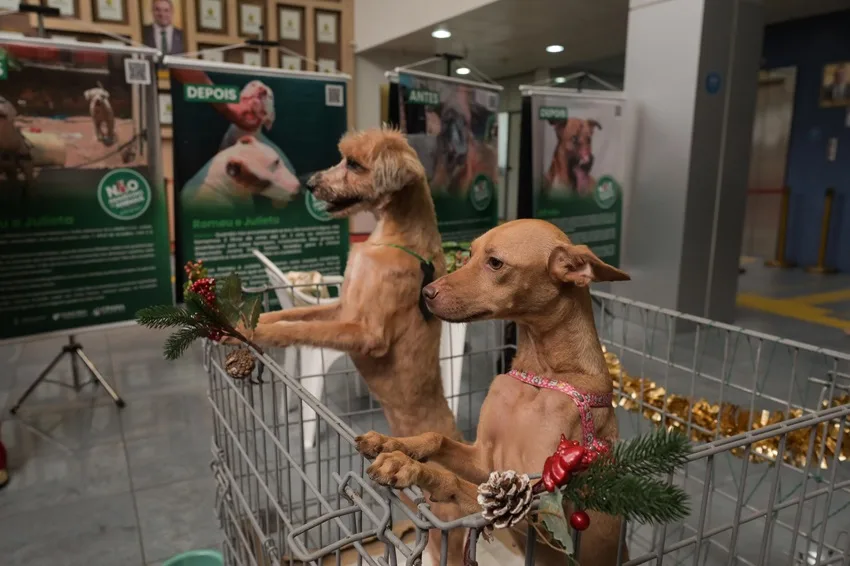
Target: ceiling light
555, 48
441, 33
462, 70
560, 80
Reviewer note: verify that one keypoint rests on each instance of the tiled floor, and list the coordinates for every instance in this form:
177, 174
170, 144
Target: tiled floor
93, 485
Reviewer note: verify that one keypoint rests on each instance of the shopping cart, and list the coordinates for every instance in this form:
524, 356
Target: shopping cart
768, 475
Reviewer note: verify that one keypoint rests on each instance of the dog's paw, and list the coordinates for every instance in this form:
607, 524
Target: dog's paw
373, 443
268, 317
394, 469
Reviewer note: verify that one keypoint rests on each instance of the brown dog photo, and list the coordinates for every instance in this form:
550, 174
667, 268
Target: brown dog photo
571, 167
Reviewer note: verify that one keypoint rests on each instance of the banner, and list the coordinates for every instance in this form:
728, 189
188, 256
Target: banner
243, 137
83, 221
577, 162
453, 127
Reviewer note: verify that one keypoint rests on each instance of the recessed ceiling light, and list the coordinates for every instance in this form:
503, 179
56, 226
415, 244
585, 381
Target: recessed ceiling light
462, 70
560, 80
441, 33
555, 48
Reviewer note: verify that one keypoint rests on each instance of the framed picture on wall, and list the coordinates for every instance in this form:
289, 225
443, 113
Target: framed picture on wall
210, 53
10, 5
211, 16
290, 23
113, 11
165, 116
290, 62
251, 18
252, 58
162, 25
327, 65
326, 25
835, 85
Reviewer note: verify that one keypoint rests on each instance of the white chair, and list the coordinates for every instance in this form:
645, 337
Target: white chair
312, 363
452, 341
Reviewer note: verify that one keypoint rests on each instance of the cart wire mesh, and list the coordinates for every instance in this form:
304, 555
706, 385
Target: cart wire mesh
768, 478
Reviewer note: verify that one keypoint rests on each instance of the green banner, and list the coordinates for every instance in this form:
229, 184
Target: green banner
453, 128
578, 167
241, 144
83, 225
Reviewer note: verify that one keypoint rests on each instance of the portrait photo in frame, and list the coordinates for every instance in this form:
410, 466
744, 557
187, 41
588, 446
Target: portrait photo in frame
162, 25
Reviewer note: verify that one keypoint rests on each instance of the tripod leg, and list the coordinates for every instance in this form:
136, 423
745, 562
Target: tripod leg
100, 379
35, 383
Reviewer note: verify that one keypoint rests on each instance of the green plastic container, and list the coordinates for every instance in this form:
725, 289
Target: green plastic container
196, 558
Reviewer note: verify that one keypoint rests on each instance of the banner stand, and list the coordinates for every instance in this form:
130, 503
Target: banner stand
149, 122
75, 350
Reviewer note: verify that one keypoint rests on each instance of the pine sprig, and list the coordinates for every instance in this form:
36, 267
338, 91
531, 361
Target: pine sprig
206, 314
164, 316
178, 342
626, 481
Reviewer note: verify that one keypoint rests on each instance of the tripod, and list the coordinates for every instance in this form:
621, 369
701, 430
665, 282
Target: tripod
75, 350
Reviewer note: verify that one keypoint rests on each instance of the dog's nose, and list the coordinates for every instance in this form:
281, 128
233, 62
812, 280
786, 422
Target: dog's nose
308, 181
430, 291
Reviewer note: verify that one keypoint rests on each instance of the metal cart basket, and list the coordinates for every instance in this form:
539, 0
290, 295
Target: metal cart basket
768, 476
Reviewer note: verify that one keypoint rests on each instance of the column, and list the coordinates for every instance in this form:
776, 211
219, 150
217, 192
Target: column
691, 71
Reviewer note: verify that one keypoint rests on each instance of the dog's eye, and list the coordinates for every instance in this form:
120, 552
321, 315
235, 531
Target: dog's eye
495, 263
353, 165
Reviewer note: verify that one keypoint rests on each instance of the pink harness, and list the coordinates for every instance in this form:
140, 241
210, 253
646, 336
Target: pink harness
583, 401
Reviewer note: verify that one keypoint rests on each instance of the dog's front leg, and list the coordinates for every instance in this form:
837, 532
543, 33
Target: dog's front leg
318, 312
462, 459
349, 337
400, 471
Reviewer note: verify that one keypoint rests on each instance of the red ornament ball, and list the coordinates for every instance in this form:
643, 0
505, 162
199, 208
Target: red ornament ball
579, 520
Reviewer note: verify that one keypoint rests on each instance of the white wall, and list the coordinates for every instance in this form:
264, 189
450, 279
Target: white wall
379, 21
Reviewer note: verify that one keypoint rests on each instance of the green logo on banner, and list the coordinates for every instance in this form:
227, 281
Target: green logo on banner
607, 192
481, 193
124, 194
552, 113
420, 96
4, 66
210, 93
318, 209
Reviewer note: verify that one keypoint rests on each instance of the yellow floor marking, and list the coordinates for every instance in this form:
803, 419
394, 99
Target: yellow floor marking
792, 309
820, 298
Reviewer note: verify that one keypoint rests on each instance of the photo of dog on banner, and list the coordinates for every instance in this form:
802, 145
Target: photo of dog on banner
457, 142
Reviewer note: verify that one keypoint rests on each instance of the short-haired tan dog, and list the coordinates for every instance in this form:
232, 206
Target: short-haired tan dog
381, 320
529, 272
572, 160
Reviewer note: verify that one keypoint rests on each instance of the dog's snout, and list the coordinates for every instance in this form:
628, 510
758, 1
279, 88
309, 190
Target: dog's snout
430, 291
309, 181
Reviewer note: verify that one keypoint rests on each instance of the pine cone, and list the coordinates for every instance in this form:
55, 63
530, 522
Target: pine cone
239, 364
505, 497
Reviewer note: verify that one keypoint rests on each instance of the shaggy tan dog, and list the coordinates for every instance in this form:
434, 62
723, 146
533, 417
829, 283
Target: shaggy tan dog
102, 115
381, 320
529, 272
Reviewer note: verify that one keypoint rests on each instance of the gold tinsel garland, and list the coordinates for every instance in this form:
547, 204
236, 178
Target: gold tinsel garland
710, 421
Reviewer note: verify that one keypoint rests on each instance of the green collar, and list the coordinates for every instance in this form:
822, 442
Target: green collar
427, 268
406, 250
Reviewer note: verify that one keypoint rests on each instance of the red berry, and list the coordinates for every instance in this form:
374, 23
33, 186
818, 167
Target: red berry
579, 520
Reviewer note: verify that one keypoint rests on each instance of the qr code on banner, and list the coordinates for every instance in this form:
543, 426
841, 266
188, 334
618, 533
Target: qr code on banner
137, 71
334, 95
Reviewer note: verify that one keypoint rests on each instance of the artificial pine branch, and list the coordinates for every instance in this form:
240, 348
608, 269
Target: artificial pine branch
178, 342
625, 482
164, 316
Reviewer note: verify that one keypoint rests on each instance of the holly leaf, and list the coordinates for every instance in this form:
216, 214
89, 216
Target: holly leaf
251, 309
229, 295
551, 513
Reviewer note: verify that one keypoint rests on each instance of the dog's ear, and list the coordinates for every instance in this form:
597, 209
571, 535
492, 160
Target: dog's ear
580, 266
559, 126
394, 170
594, 124
88, 95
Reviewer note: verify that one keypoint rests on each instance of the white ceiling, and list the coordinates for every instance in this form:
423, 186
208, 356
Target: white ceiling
509, 37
